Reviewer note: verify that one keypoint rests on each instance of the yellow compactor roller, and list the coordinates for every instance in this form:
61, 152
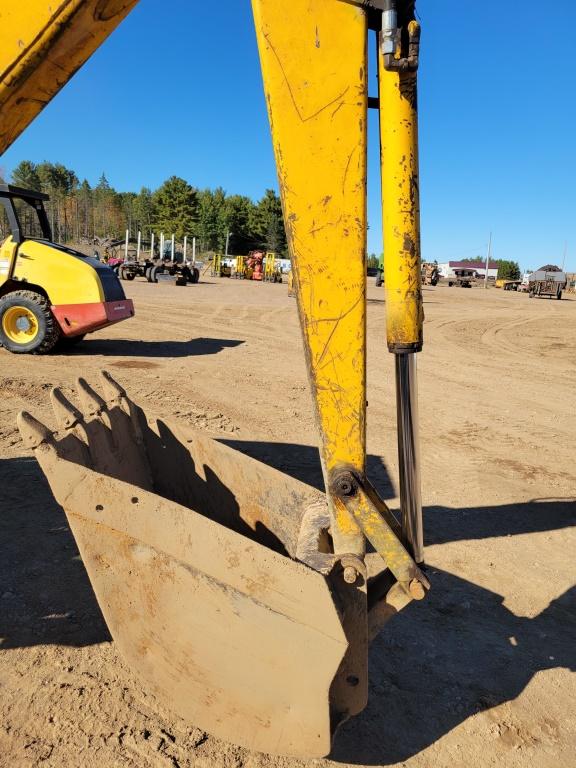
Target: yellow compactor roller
244, 599
49, 293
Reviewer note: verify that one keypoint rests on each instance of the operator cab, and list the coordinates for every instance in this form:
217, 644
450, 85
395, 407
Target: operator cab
24, 215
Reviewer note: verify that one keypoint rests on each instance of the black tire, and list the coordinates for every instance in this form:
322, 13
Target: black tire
153, 278
48, 329
195, 275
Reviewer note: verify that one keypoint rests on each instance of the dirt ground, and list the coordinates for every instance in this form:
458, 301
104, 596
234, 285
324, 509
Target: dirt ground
480, 674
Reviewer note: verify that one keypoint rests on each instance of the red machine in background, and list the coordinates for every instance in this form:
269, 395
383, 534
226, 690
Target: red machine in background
254, 265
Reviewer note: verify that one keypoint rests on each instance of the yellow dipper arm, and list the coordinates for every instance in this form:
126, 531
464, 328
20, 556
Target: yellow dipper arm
42, 45
313, 56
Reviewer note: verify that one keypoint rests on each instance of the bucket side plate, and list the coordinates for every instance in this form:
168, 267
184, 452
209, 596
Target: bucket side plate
237, 639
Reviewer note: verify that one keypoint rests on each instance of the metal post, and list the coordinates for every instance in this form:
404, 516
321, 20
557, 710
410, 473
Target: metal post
184, 250
193, 250
227, 242
172, 249
488, 261
151, 245
126, 245
409, 454
138, 245
162, 246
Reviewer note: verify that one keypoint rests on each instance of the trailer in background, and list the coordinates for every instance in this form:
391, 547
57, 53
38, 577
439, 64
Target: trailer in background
547, 281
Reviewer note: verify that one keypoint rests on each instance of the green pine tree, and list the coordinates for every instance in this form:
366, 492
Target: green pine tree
176, 208
25, 175
268, 223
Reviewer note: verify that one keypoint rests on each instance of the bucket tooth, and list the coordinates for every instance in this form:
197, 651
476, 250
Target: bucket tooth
107, 436
92, 404
101, 440
67, 415
33, 432
114, 393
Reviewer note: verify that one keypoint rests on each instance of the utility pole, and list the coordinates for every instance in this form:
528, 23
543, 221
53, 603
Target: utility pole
488, 254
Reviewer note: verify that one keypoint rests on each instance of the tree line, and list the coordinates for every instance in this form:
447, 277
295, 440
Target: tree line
79, 212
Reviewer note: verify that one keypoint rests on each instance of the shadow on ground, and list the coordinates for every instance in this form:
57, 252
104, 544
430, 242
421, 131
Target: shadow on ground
460, 652
442, 661
129, 348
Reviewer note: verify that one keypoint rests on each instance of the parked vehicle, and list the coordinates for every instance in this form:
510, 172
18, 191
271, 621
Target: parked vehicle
430, 273
547, 281
464, 278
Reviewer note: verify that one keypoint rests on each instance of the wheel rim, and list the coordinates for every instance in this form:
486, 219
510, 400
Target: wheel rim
20, 325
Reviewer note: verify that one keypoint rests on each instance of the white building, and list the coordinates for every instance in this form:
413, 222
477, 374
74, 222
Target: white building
447, 268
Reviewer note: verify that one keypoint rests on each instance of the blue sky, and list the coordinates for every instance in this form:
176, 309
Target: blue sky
177, 90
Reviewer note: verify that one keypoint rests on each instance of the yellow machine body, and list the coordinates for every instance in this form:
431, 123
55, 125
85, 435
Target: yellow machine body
43, 44
49, 291
65, 278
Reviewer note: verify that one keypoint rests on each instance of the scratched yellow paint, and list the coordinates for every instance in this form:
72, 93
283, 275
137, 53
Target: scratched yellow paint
383, 538
313, 57
313, 61
42, 44
401, 208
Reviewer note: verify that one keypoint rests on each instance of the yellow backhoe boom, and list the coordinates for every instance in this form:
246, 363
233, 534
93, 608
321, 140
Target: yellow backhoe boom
266, 643
43, 45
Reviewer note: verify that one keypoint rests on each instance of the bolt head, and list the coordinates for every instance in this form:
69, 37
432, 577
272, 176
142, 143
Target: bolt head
417, 590
350, 574
345, 485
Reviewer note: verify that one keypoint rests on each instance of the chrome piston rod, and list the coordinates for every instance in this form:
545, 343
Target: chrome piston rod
409, 454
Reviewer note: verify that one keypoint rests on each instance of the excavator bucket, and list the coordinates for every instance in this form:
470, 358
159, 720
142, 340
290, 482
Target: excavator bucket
211, 570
